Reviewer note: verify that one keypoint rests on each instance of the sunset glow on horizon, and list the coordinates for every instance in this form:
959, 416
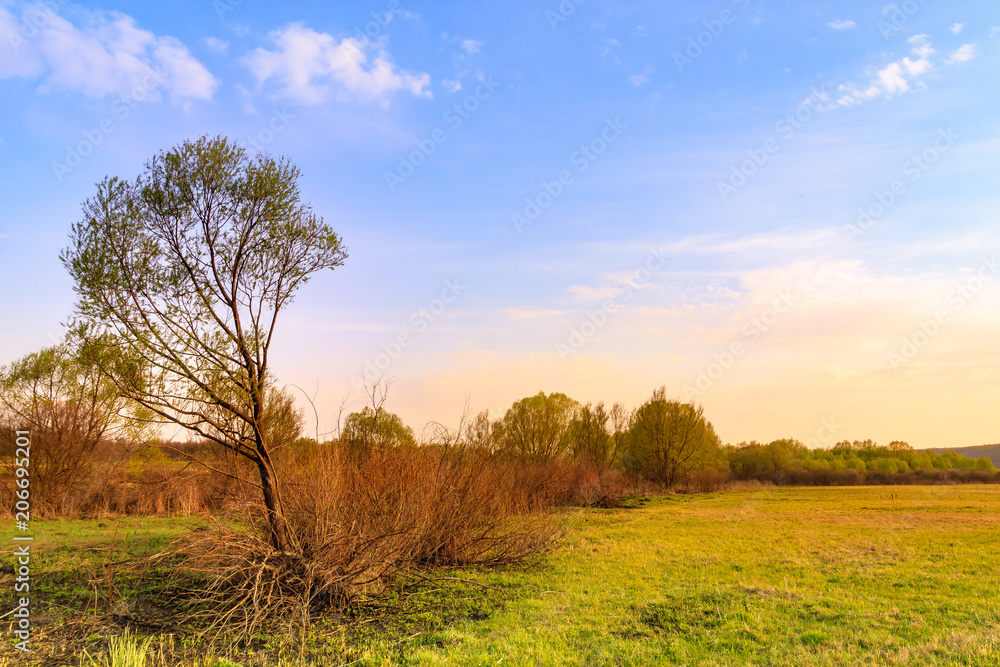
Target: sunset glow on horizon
785, 213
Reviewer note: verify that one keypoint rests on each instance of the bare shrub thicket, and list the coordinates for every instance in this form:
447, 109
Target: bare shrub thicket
362, 518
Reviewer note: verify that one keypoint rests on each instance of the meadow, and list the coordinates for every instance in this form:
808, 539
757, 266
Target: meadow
903, 575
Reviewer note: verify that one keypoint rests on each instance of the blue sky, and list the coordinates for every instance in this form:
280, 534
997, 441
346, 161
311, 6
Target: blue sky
784, 211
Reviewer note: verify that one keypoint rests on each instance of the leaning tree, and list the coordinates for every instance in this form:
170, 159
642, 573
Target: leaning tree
181, 274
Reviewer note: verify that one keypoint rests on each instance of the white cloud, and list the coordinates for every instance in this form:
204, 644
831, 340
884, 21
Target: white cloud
957, 28
742, 58
837, 24
472, 46
217, 45
451, 86
190, 78
105, 53
964, 54
895, 78
921, 45
312, 67
642, 78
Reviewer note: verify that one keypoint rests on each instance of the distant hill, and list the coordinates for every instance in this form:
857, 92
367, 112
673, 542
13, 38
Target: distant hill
990, 451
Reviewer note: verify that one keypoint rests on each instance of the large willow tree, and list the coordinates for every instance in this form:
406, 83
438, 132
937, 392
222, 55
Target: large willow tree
183, 273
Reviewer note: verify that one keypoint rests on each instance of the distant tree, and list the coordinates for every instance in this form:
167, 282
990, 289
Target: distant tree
944, 461
985, 463
670, 439
837, 463
597, 434
746, 460
900, 446
778, 457
856, 463
885, 465
283, 422
376, 427
483, 433
183, 273
922, 461
867, 449
537, 428
621, 424
73, 412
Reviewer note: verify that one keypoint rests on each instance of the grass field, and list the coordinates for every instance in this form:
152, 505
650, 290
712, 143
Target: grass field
783, 576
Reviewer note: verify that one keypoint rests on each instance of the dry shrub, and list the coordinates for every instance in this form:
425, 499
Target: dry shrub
158, 491
706, 480
826, 477
749, 484
559, 484
67, 471
360, 519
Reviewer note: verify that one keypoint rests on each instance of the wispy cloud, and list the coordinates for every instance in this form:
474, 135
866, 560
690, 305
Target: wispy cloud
895, 78
642, 78
472, 46
217, 45
312, 67
838, 24
779, 241
957, 28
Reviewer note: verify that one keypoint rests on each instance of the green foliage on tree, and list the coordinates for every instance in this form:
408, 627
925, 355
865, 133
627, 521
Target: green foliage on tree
483, 433
183, 273
73, 412
598, 435
371, 428
537, 428
669, 440
780, 459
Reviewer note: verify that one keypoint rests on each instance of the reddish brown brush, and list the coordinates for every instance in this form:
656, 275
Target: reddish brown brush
362, 518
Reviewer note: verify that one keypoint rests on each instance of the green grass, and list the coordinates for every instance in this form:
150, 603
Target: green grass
125, 651
789, 576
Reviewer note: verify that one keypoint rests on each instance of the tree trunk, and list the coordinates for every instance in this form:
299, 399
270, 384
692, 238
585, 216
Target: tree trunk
276, 524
